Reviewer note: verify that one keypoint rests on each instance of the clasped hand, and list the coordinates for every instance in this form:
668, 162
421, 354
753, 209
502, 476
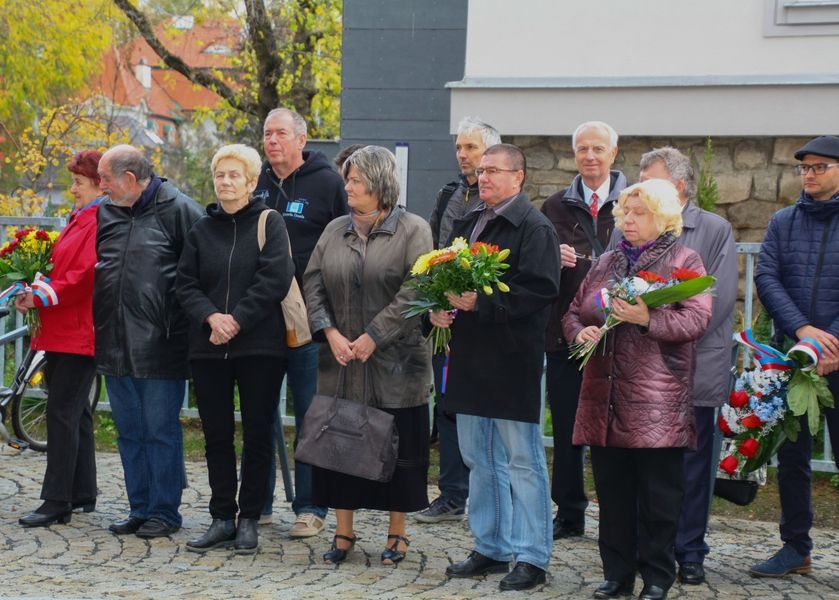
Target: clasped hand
223, 328
344, 350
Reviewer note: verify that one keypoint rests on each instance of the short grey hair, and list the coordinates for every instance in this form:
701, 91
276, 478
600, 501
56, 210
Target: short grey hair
488, 133
678, 167
600, 126
376, 166
246, 155
514, 154
300, 127
128, 159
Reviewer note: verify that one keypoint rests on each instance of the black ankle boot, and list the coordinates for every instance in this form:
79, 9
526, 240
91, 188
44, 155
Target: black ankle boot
221, 534
51, 511
247, 539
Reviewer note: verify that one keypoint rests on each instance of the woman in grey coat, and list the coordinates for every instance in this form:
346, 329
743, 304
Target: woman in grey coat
355, 292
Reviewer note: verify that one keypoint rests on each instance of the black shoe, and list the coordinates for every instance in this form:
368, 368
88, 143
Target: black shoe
87, 506
614, 589
567, 529
336, 554
691, 573
155, 528
523, 577
129, 525
652, 592
48, 513
477, 564
247, 538
221, 534
392, 553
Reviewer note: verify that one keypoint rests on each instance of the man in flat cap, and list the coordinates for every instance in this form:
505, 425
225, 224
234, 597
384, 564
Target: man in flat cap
798, 283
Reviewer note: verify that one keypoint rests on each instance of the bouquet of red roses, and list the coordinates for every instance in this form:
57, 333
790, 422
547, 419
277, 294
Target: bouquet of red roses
767, 400
653, 289
24, 265
458, 268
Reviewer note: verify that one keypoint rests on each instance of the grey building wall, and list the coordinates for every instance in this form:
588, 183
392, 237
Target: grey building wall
397, 57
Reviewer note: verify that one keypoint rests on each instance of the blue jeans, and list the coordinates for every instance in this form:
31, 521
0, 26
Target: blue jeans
454, 476
150, 441
509, 500
302, 376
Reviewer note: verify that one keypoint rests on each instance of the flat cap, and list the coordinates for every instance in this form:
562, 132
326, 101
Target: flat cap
825, 145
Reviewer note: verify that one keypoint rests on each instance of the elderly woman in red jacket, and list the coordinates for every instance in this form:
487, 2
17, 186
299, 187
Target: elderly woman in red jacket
65, 304
635, 411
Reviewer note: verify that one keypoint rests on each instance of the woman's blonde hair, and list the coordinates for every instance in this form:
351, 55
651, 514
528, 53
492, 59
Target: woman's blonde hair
661, 198
246, 155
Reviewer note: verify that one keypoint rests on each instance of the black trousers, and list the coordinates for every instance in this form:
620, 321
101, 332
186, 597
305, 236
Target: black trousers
640, 495
259, 379
71, 457
562, 381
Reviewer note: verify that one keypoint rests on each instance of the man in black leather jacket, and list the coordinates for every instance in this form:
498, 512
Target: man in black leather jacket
141, 333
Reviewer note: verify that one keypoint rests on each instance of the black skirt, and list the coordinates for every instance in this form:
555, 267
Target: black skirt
407, 491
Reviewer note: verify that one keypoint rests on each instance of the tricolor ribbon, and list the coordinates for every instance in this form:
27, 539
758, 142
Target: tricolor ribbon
771, 359
42, 289
16, 288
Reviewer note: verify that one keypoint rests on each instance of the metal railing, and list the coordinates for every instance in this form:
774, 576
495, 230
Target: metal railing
749, 251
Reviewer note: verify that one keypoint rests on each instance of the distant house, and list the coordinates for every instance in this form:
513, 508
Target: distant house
151, 99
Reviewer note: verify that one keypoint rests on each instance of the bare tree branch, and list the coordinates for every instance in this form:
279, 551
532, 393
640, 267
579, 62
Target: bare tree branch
174, 62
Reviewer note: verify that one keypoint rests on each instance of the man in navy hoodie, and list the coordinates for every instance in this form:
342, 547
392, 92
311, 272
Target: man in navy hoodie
798, 283
308, 193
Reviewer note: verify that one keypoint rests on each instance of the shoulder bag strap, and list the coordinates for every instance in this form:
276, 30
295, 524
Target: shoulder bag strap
260, 228
588, 229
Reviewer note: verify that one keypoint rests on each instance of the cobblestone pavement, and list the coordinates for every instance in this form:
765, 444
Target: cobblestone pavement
83, 560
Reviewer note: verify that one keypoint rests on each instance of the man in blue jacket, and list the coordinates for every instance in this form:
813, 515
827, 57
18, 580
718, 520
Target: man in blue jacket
798, 283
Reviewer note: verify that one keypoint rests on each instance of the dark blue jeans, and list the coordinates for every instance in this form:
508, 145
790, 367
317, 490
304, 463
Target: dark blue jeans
697, 473
150, 440
302, 375
454, 476
562, 381
795, 478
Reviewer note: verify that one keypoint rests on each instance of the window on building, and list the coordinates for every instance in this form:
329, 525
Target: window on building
801, 17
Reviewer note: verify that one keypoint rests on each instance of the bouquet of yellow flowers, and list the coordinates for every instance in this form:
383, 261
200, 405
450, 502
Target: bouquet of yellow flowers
24, 264
458, 268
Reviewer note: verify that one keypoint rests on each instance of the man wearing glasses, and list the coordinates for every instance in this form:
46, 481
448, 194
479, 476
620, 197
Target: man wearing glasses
582, 216
495, 368
798, 283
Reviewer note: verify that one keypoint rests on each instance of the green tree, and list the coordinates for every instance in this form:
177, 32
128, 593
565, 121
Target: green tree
707, 193
290, 56
50, 50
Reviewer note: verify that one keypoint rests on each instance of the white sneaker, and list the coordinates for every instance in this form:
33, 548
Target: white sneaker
306, 525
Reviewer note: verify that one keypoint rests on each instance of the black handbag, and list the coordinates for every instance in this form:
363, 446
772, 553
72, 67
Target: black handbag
348, 437
738, 491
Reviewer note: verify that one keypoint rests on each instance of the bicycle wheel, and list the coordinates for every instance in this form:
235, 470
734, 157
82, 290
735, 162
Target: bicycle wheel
29, 407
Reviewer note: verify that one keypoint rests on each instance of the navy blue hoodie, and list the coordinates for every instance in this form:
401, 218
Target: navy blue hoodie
308, 200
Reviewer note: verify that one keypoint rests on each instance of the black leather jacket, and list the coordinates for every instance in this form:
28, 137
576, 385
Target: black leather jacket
141, 330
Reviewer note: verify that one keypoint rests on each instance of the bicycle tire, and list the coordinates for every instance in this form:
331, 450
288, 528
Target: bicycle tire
29, 407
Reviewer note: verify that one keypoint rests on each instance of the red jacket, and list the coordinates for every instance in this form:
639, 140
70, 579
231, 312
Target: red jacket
66, 311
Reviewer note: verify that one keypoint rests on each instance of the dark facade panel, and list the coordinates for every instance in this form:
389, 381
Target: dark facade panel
398, 56
388, 59
367, 104
405, 14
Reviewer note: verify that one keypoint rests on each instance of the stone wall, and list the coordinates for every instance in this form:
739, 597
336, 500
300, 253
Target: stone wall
754, 175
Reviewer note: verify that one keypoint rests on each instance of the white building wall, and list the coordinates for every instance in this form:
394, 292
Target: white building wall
649, 67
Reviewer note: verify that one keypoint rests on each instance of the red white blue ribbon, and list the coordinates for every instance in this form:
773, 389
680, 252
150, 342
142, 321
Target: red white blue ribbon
43, 290
16, 288
770, 358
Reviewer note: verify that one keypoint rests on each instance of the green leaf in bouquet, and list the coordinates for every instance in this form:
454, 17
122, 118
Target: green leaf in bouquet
791, 428
800, 393
677, 293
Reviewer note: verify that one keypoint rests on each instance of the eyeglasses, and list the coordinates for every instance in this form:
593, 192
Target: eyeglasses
493, 171
816, 168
